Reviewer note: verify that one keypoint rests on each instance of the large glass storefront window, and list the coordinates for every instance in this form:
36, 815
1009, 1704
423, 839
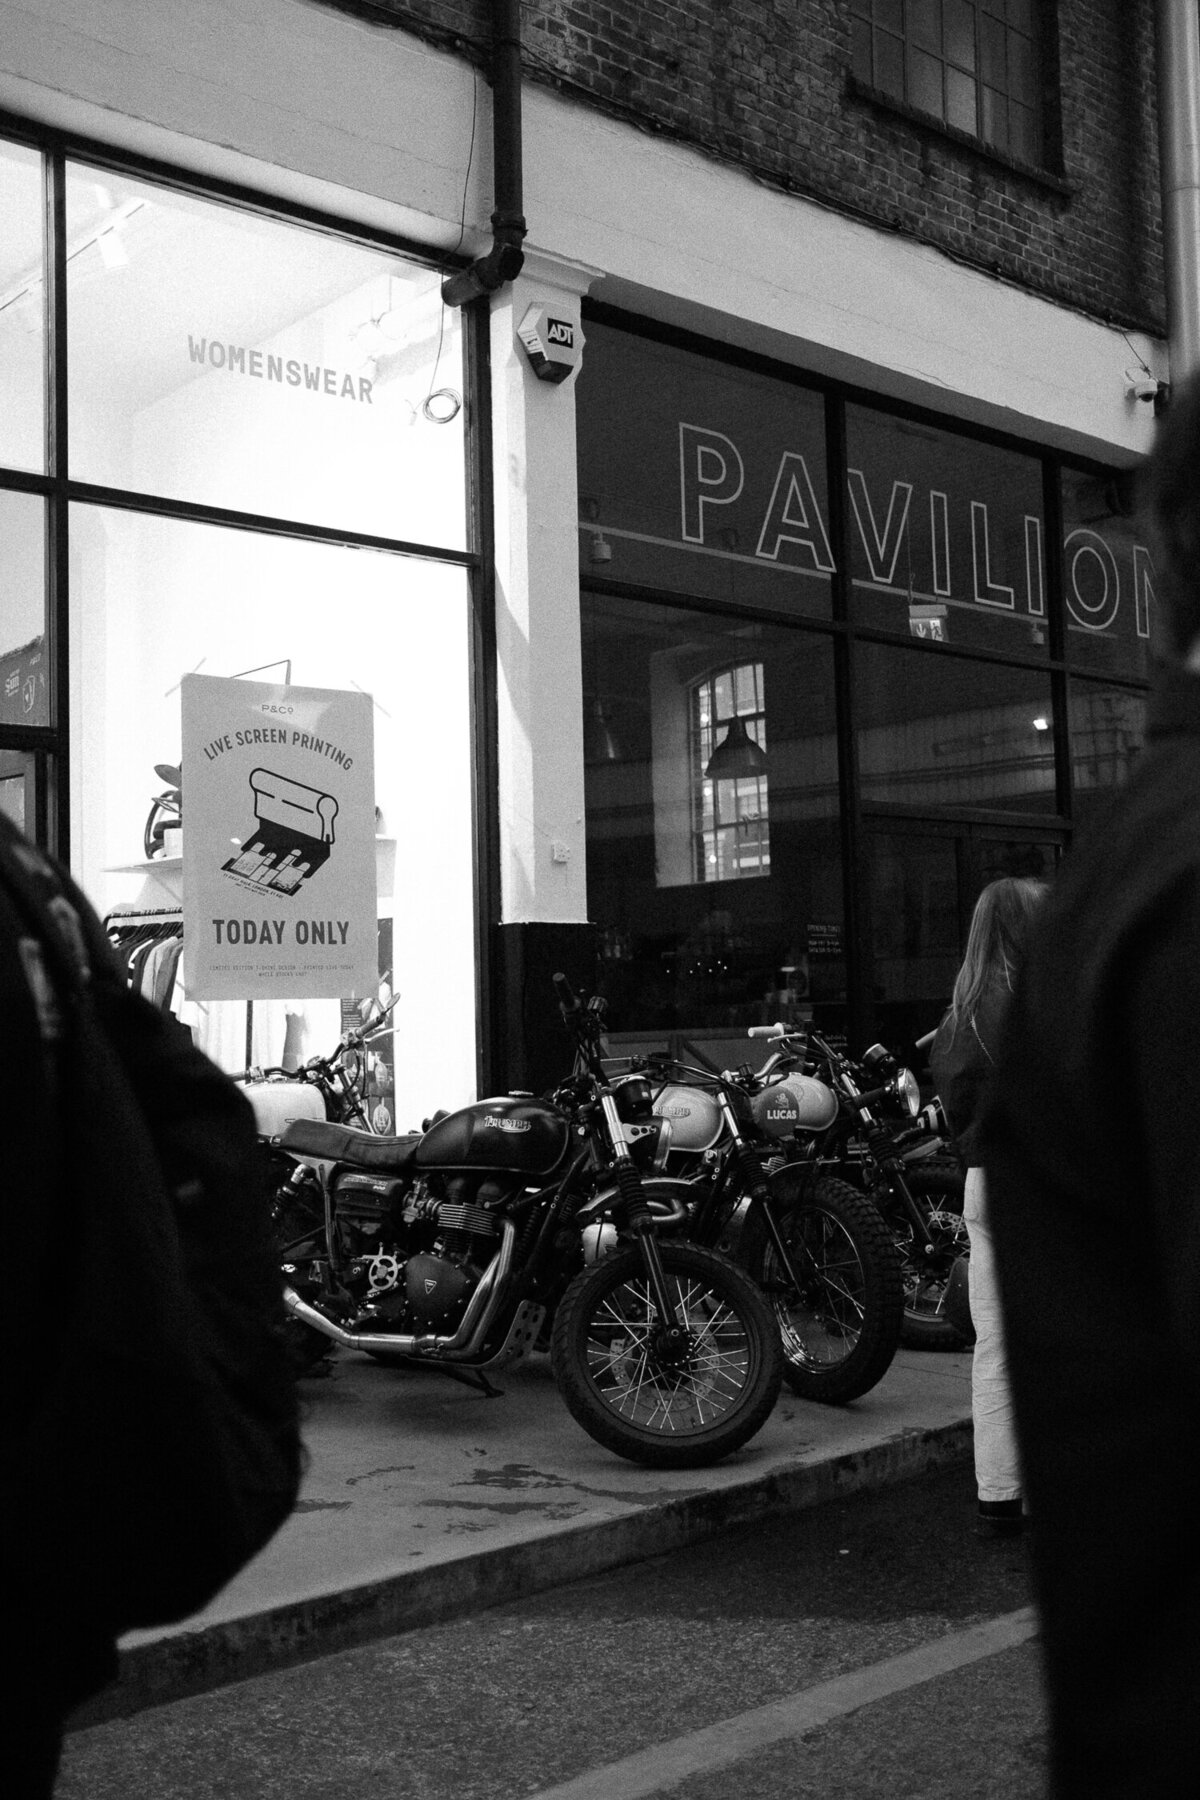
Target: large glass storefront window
701, 479
22, 310
1108, 578
156, 598
234, 361
946, 535
718, 760
710, 920
24, 673
1108, 730
936, 732
221, 361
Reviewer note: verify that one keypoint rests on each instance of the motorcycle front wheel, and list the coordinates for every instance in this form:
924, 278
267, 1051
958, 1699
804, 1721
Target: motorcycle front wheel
680, 1408
840, 1326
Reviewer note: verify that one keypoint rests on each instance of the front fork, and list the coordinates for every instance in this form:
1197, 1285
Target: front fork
757, 1190
639, 1220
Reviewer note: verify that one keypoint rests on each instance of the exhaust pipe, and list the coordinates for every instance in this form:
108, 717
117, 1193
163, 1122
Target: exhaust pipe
462, 1343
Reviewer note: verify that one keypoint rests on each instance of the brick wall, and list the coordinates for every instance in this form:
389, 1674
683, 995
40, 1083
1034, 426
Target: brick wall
766, 85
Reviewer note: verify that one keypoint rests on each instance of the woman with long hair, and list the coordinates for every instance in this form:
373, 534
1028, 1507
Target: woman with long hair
961, 1062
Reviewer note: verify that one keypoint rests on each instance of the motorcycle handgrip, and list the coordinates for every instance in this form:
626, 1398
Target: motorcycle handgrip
567, 998
871, 1098
779, 1029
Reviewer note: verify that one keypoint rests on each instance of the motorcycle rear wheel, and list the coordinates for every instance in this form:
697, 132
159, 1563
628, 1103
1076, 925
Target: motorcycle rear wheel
667, 1412
939, 1193
841, 1330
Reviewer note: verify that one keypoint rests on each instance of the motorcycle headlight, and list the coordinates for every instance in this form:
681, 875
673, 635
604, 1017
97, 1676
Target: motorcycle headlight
907, 1090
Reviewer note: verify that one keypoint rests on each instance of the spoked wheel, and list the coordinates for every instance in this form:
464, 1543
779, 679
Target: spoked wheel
925, 1273
841, 1326
670, 1405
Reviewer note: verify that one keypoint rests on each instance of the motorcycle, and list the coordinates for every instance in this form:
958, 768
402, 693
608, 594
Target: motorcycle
818, 1249
896, 1152
331, 1088
462, 1248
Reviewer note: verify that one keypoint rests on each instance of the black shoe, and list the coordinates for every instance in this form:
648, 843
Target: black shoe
999, 1519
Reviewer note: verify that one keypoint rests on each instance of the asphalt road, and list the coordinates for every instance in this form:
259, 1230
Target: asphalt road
871, 1648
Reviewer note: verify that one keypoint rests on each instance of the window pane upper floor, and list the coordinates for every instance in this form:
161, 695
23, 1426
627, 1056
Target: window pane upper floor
973, 64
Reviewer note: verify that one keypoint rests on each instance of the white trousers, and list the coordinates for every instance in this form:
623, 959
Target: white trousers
997, 1469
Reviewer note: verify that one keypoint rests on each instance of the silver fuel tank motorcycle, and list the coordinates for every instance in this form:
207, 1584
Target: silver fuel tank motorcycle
463, 1248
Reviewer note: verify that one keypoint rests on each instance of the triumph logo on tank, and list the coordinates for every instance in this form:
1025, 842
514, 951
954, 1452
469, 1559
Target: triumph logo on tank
507, 1124
279, 843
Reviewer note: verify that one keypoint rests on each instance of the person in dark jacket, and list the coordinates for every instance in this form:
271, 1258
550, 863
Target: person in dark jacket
1090, 1139
151, 1440
962, 1061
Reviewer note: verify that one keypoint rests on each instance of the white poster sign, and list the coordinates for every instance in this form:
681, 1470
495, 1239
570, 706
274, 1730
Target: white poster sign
279, 893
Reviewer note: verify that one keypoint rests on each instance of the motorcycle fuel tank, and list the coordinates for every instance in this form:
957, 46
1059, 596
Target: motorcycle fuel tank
277, 1103
794, 1103
507, 1133
694, 1115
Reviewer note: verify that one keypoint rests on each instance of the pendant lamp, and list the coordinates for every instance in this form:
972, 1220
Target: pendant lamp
736, 754
599, 744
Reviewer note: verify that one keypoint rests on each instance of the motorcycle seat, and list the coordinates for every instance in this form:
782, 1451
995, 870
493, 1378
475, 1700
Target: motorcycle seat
345, 1143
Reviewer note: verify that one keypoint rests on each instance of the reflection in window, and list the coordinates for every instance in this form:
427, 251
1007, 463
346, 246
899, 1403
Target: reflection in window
729, 740
22, 309
1108, 728
971, 63
936, 732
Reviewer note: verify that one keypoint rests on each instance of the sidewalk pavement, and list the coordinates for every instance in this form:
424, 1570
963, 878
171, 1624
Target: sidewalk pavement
425, 1499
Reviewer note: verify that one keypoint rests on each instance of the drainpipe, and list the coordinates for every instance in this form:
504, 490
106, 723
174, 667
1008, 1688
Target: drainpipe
1178, 28
503, 261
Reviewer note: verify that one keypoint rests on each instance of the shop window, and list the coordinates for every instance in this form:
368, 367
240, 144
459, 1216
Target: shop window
972, 64
22, 310
687, 944
947, 537
701, 478
1108, 731
230, 360
24, 659
1108, 576
728, 738
938, 733
154, 598
17, 788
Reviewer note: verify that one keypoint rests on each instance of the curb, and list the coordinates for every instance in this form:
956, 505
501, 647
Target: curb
187, 1663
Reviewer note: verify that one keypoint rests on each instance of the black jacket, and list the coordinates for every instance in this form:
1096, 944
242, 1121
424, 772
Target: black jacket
1091, 1145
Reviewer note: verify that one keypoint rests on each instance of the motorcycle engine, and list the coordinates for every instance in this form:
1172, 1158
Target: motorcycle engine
419, 1250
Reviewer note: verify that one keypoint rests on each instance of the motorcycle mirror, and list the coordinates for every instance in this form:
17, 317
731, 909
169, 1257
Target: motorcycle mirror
165, 772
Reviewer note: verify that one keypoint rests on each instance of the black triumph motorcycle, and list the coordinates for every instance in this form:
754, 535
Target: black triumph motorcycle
462, 1247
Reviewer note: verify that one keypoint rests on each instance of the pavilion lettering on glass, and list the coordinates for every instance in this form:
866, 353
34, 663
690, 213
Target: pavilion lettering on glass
960, 546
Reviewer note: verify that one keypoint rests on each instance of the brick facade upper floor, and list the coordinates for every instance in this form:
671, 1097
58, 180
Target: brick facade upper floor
770, 86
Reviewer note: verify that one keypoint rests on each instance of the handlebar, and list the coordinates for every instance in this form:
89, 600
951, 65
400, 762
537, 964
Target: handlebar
568, 1000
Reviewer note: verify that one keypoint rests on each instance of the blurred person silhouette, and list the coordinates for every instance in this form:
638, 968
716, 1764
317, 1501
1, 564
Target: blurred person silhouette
1090, 1141
962, 1060
151, 1442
